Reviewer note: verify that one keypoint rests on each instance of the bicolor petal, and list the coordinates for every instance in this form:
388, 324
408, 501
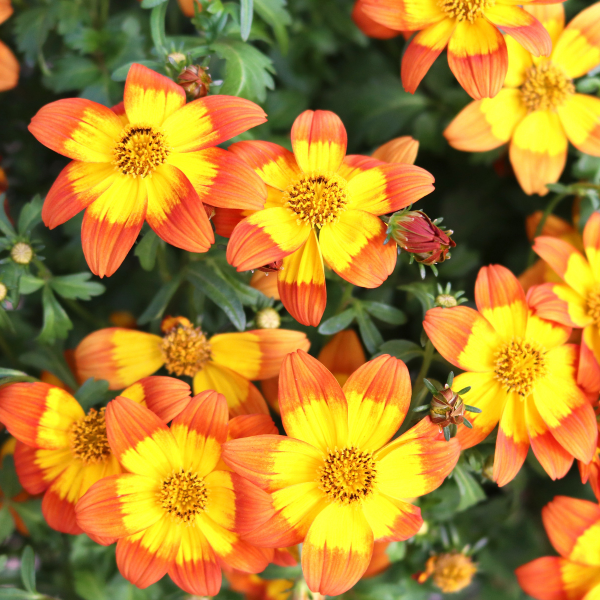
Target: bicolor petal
342, 355
38, 468
551, 16
591, 243
58, 504
404, 15
559, 303
244, 426
391, 520
370, 27
401, 150
580, 117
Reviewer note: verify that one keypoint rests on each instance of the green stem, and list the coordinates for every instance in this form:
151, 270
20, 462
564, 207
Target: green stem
346, 297
547, 212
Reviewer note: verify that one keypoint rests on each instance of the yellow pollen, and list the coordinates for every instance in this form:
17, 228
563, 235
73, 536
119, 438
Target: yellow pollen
140, 150
185, 350
452, 571
183, 495
317, 198
518, 365
88, 438
348, 475
546, 87
593, 305
469, 10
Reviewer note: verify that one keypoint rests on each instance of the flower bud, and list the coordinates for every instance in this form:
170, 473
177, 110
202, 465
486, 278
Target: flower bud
451, 571
446, 301
272, 267
3, 291
268, 318
447, 407
195, 81
416, 233
21, 253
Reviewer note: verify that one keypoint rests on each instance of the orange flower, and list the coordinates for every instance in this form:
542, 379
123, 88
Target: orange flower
156, 160
477, 52
174, 511
62, 451
402, 149
227, 362
321, 208
538, 111
522, 374
337, 484
187, 7
9, 65
573, 527
370, 27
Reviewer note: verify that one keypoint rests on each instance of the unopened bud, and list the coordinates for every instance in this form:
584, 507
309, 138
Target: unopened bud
446, 301
451, 571
447, 407
3, 291
21, 253
176, 57
272, 267
268, 318
195, 81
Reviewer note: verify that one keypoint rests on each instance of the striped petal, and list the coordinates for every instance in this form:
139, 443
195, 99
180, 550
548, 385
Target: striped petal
313, 406
588, 369
319, 141
166, 397
391, 520
38, 414
568, 263
225, 220
150, 97
264, 237
538, 151
591, 243
77, 128
244, 426
9, 68
243, 397
422, 457
522, 26
58, 505
119, 506
551, 16
301, 283
559, 303
578, 48
141, 442
388, 188
145, 557
580, 117
210, 121
501, 300
404, 15
221, 179
378, 396
463, 337
353, 248
370, 27
512, 443
542, 578
342, 355
256, 354
38, 468
355, 164
112, 223
402, 150
121, 356
478, 58
591, 473
486, 124
337, 550
175, 212
422, 51
78, 185
275, 165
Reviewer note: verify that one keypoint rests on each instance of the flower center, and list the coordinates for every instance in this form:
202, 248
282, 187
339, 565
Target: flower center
348, 475
462, 10
185, 350
593, 304
140, 150
317, 198
518, 365
183, 495
88, 438
453, 571
546, 87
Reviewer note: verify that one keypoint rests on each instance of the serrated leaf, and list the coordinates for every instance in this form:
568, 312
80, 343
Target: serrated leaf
76, 286
28, 569
369, 333
30, 216
56, 321
337, 323
471, 492
91, 392
403, 349
274, 13
32, 27
7, 523
72, 72
247, 70
146, 250
5, 225
159, 303
28, 284
246, 14
384, 312
221, 292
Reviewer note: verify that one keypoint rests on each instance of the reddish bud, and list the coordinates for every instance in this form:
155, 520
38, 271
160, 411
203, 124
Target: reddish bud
272, 267
447, 407
195, 81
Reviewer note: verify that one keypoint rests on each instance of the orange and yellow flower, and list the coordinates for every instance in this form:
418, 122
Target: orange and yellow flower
61, 450
573, 527
156, 161
174, 511
538, 111
477, 53
523, 377
321, 208
337, 485
227, 362
9, 65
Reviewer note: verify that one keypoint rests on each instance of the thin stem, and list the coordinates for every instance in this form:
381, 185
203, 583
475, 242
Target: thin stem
346, 297
547, 212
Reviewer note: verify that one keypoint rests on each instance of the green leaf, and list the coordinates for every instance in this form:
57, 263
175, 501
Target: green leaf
157, 27
384, 312
77, 286
56, 321
5, 322
53, 360
32, 28
17, 594
151, 3
12, 373
221, 292
369, 333
120, 74
248, 295
396, 551
159, 303
471, 492
9, 482
30, 216
247, 72
277, 572
420, 292
430, 386
337, 323
29, 284
146, 250
246, 14
91, 392
7, 523
5, 225
72, 72
28, 569
403, 349
274, 13
90, 585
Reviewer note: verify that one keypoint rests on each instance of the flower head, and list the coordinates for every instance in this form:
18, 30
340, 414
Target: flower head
451, 571
337, 484
61, 450
538, 111
323, 207
572, 526
156, 161
522, 374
